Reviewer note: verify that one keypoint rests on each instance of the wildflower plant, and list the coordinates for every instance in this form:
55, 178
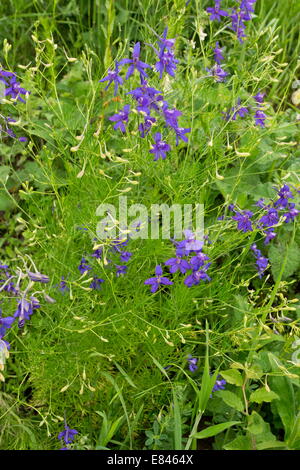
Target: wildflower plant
149, 342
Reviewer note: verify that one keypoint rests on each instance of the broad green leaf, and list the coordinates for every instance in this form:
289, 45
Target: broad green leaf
256, 424
255, 372
4, 172
213, 430
270, 445
232, 376
286, 406
277, 254
231, 399
262, 395
240, 443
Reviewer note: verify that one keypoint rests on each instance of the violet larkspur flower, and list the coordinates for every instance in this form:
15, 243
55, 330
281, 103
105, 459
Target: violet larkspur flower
197, 276
167, 63
291, 214
113, 76
237, 24
171, 115
165, 43
24, 311
14, 90
284, 195
192, 361
147, 98
216, 12
156, 282
67, 434
176, 264
125, 256
180, 134
235, 111
160, 148
121, 118
198, 260
62, 286
243, 220
120, 270
270, 219
260, 118
218, 53
97, 253
96, 283
259, 97
269, 236
145, 126
261, 261
135, 62
190, 243
219, 385
38, 277
218, 73
83, 267
5, 323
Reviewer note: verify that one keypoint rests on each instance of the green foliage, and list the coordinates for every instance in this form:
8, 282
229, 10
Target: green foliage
113, 361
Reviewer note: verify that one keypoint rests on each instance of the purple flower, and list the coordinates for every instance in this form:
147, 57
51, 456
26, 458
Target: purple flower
145, 126
197, 276
4, 75
125, 256
171, 115
291, 214
165, 43
177, 264
270, 219
62, 286
261, 203
219, 385
120, 270
167, 63
237, 24
14, 90
215, 12
38, 277
5, 323
97, 253
190, 243
3, 345
192, 361
260, 118
261, 261
96, 283
259, 97
269, 236
121, 118
218, 54
67, 435
135, 62
198, 260
83, 267
113, 76
243, 220
147, 98
157, 281
180, 134
160, 147
23, 312
284, 195
218, 73
236, 110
